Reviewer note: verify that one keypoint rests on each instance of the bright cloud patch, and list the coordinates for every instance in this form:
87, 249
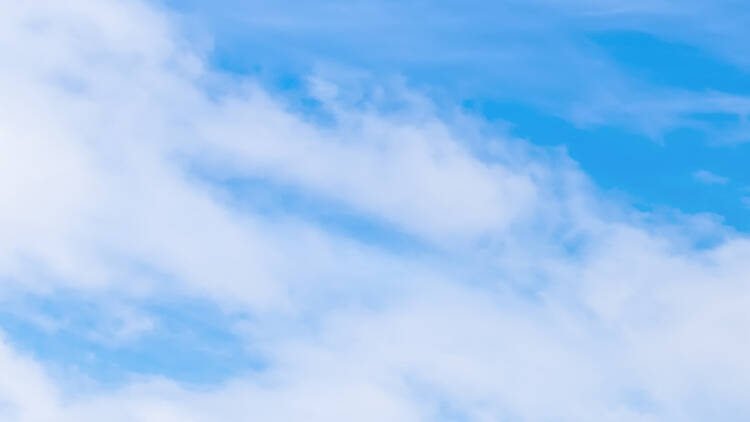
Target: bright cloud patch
380, 259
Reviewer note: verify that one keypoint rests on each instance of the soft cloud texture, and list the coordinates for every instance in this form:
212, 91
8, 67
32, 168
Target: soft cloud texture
527, 294
544, 53
705, 176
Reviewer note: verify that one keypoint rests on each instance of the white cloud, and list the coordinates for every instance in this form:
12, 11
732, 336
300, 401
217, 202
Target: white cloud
705, 176
536, 298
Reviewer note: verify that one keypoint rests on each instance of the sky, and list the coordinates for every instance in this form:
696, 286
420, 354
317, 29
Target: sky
374, 211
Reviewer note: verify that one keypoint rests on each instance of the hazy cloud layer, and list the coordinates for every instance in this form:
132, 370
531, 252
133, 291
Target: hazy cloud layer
525, 293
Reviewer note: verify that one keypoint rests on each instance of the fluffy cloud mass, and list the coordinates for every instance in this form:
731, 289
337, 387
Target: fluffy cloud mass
383, 260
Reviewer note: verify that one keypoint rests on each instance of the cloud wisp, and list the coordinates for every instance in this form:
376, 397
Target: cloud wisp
709, 178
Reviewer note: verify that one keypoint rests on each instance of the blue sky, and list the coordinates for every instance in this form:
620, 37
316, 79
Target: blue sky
522, 67
374, 210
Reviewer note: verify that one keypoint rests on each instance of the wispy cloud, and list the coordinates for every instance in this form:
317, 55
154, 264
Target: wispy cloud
539, 53
705, 176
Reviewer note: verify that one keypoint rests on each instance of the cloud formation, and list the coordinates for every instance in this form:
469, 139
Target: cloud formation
550, 55
527, 294
705, 176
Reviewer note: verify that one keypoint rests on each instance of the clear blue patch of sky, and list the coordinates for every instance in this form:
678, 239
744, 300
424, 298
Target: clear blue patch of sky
191, 341
671, 64
652, 174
